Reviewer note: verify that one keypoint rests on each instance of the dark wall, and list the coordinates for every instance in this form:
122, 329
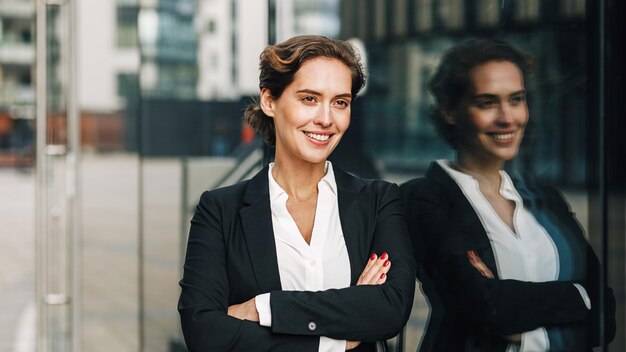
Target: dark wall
189, 128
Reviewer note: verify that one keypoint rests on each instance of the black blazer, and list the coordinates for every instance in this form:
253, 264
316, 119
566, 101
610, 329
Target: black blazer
231, 257
470, 312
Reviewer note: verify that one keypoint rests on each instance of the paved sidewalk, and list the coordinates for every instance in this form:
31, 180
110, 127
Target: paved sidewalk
17, 254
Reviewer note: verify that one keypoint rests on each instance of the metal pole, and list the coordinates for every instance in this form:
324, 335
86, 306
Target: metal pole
41, 210
602, 171
73, 182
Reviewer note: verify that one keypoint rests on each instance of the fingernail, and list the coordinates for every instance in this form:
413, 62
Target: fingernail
384, 256
373, 256
386, 263
382, 276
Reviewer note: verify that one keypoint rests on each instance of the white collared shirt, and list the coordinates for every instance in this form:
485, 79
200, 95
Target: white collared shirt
528, 254
322, 265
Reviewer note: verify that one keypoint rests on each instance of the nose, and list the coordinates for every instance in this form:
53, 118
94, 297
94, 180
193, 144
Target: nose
505, 114
324, 117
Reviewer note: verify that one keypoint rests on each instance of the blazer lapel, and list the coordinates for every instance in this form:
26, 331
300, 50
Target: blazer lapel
256, 218
474, 234
353, 220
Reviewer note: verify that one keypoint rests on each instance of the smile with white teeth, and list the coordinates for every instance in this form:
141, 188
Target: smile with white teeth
318, 137
503, 136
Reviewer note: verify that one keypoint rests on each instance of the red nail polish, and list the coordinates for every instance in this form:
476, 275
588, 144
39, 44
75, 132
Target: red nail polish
373, 256
384, 256
386, 263
382, 276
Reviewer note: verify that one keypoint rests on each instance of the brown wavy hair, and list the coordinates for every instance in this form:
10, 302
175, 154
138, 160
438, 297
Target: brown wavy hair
280, 62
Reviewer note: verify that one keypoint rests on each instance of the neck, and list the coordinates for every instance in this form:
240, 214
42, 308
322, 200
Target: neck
298, 179
486, 172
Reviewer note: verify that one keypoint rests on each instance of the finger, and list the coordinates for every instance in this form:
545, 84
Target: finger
369, 276
373, 275
366, 273
382, 278
477, 263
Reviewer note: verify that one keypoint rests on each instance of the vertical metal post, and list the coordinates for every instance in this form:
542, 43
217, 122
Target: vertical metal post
41, 172
73, 182
58, 284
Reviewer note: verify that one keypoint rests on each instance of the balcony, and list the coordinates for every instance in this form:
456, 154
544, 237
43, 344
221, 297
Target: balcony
17, 9
17, 54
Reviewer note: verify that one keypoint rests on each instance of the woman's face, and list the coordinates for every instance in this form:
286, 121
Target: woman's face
313, 112
492, 117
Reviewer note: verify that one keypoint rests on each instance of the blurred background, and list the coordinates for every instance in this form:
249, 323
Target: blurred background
116, 114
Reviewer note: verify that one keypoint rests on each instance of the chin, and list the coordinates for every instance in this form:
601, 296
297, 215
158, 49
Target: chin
314, 159
507, 156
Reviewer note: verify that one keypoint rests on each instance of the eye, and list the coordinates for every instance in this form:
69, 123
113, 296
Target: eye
518, 99
342, 103
309, 99
484, 103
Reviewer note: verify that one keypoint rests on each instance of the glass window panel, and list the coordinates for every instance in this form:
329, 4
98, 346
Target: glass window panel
17, 176
161, 113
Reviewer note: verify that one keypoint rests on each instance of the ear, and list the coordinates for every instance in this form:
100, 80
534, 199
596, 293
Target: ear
267, 102
448, 116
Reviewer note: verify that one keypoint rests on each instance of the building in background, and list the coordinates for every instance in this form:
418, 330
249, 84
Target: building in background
17, 92
107, 73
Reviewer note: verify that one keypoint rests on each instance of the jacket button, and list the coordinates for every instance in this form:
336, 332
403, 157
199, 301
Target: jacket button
312, 326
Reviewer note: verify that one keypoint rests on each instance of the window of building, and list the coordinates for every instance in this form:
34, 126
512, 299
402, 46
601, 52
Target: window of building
127, 35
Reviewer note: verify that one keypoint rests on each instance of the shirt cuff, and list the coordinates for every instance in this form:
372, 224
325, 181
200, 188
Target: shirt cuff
584, 295
264, 309
329, 345
535, 340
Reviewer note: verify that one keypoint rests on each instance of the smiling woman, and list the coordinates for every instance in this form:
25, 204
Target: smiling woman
273, 263
502, 260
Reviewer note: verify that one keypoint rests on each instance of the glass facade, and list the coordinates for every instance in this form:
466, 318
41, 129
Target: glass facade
158, 88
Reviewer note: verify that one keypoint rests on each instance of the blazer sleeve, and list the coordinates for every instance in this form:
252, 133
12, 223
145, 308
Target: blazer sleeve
498, 307
203, 302
360, 313
585, 333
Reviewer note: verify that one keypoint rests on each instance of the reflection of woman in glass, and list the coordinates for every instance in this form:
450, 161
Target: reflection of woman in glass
299, 257
504, 263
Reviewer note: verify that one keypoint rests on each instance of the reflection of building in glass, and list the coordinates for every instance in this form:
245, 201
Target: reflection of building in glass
404, 40
17, 59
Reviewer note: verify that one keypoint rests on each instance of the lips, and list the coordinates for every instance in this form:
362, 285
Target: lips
503, 136
318, 136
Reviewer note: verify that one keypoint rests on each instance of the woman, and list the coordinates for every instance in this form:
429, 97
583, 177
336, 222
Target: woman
504, 263
299, 257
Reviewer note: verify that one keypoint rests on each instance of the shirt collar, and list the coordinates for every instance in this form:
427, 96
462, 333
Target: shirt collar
506, 188
458, 176
277, 192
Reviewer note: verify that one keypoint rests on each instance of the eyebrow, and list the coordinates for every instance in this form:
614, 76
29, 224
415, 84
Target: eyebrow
487, 95
313, 92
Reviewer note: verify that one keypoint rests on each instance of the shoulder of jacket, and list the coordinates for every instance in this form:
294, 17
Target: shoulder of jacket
225, 194
422, 188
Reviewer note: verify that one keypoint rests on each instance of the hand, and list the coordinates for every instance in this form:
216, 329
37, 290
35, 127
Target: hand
513, 338
375, 272
477, 263
352, 344
244, 311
